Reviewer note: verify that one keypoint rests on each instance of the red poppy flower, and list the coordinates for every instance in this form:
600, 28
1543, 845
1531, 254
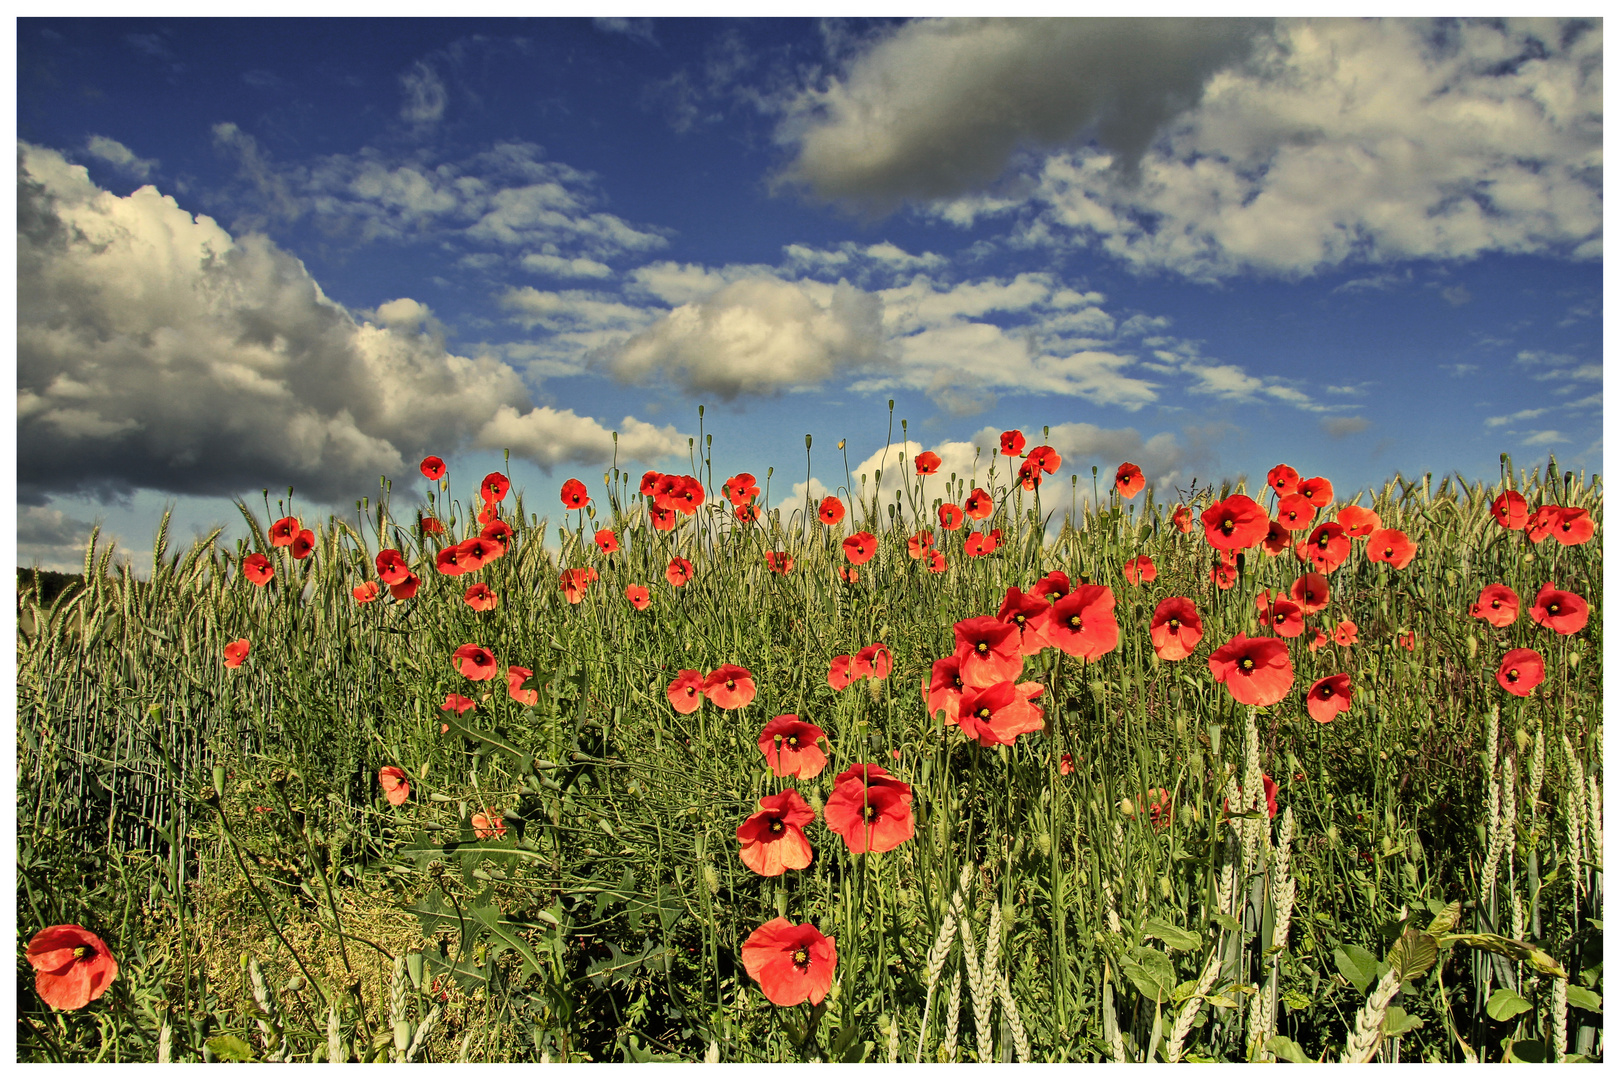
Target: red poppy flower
1521, 672
1284, 480
1140, 570
678, 572
488, 825
919, 545
1047, 458
1407, 641
685, 693
729, 686
282, 532
1510, 510
1157, 804
1310, 592
1574, 526
874, 661
687, 496
1277, 539
1318, 639
449, 561
457, 704
607, 541
978, 544
1175, 628
1358, 520
1012, 443
950, 517
391, 566
404, 590
849, 574
1269, 787
1255, 670
989, 651
1224, 573
779, 561
1326, 548
487, 513
1235, 523
1294, 512
515, 678
1066, 764
1029, 474
494, 488
1052, 586
480, 597
860, 547
978, 505
791, 963
303, 544
1128, 480
1030, 614
478, 551
927, 463
257, 569
841, 672
72, 966
831, 511
1563, 612
474, 662
663, 518
665, 489
997, 715
1082, 623
740, 489
1283, 616
366, 593
870, 809
1182, 519
649, 482
789, 746
1328, 698
430, 526
1542, 522
1390, 546
773, 840
575, 582
237, 651
1317, 489
396, 788
574, 496
433, 467
748, 513
944, 687
1345, 633
638, 596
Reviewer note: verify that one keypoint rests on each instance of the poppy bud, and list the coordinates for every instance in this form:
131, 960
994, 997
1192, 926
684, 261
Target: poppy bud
210, 795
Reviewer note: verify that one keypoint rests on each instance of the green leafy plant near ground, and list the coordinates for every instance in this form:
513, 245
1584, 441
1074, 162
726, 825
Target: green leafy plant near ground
1111, 886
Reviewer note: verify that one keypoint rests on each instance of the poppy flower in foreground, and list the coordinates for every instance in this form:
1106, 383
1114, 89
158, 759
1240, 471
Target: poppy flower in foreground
476, 552
72, 966
515, 678
747, 513
978, 505
1046, 458
860, 547
1521, 671
773, 840
1294, 512
649, 482
789, 746
1140, 570
406, 588
997, 715
1317, 489
488, 825
1276, 541
1029, 475
487, 514
978, 544
935, 562
841, 672
1510, 510
831, 511
1358, 520
282, 532
678, 572
1574, 526
791, 963
1326, 548
449, 561
257, 569
1284, 479
1310, 592
575, 582
433, 467
1182, 519
1053, 586
1390, 546
1328, 698
927, 463
1280, 614
396, 788
944, 688
494, 488
1175, 628
741, 489
430, 526
1541, 523
474, 662
919, 544
480, 597
989, 650
874, 661
1012, 443
391, 566
870, 809
237, 651
574, 496
1234, 523
457, 704
950, 517
1083, 624
1256, 671
729, 686
663, 518
1563, 612
638, 596
779, 561
1128, 480
367, 592
303, 545
1030, 614
607, 541
1066, 764
685, 693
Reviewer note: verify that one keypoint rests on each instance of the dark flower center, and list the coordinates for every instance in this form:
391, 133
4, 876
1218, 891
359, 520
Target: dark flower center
1513, 675
801, 957
1327, 692
1076, 622
871, 812
731, 684
982, 647
1019, 619
1174, 624
1552, 608
1227, 526
1247, 664
83, 952
1389, 553
776, 825
983, 713
792, 742
1495, 604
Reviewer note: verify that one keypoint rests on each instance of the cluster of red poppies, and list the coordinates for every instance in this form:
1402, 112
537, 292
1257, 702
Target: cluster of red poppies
729, 686
1569, 525
873, 662
671, 496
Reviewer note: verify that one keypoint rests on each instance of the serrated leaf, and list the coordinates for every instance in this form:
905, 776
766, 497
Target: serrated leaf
1445, 920
229, 1048
1151, 973
1505, 1005
1287, 1049
1357, 965
1174, 937
1414, 954
1221, 1001
1582, 998
1397, 1021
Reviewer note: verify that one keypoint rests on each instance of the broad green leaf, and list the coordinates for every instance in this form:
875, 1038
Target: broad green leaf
1445, 920
229, 1048
1582, 998
1287, 1049
1397, 1021
1226, 922
1414, 954
1513, 950
1357, 965
1151, 973
1527, 1051
1505, 1005
1174, 937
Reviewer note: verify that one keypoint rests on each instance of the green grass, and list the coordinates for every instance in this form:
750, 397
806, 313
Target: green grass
234, 816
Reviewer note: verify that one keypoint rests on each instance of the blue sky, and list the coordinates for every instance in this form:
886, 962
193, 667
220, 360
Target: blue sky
261, 253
